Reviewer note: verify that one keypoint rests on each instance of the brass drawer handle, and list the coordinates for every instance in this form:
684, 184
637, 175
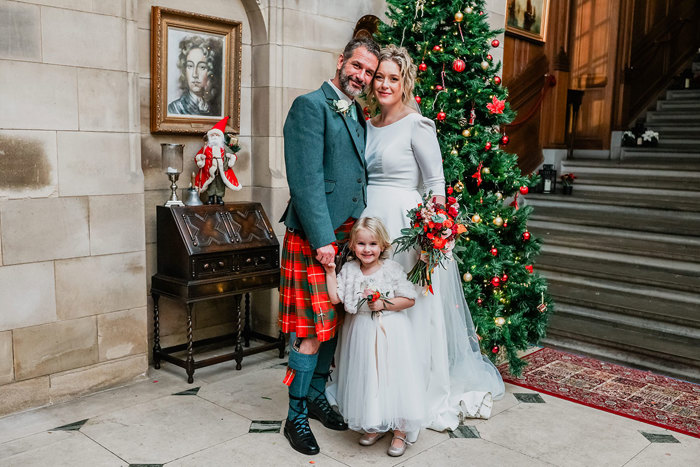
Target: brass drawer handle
206, 266
221, 264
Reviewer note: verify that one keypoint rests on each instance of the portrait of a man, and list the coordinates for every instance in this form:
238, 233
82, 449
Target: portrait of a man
195, 73
527, 18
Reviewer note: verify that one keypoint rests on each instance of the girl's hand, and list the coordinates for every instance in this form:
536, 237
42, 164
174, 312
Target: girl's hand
330, 268
377, 305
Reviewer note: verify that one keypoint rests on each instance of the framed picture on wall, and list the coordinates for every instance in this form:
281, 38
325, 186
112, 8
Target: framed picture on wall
195, 72
527, 19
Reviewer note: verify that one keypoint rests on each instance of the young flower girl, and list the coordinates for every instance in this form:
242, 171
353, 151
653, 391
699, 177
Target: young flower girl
377, 386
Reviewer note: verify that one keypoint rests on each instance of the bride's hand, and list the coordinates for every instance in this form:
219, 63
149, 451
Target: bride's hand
439, 199
377, 305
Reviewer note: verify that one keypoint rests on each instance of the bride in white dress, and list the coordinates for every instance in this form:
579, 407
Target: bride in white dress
404, 160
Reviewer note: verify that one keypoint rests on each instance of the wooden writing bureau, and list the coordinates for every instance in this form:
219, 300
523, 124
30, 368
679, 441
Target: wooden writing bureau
214, 252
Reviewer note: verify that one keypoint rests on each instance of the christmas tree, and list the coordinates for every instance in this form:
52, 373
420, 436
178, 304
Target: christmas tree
459, 88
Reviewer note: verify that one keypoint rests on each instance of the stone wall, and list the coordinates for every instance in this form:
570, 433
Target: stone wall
72, 268
80, 176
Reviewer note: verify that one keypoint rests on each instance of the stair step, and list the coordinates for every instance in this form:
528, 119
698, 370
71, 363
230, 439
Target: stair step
567, 209
623, 356
676, 142
625, 178
683, 94
668, 116
679, 130
676, 247
663, 166
672, 341
658, 198
645, 301
659, 153
658, 272
684, 104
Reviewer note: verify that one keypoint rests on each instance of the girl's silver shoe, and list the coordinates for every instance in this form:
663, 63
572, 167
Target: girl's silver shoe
397, 452
368, 439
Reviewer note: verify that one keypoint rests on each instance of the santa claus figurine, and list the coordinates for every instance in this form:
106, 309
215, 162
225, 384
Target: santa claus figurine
215, 161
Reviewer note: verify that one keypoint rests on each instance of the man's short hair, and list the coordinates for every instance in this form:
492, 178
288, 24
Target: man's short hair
365, 42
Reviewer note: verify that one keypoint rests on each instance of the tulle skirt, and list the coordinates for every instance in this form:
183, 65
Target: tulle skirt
378, 386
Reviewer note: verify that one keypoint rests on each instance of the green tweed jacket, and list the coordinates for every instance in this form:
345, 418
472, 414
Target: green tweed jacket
324, 151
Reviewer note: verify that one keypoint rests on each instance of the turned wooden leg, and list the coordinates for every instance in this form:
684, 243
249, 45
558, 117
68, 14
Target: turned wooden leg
190, 345
156, 331
239, 333
246, 329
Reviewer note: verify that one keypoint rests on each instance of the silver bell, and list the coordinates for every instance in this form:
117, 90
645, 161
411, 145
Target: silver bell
190, 197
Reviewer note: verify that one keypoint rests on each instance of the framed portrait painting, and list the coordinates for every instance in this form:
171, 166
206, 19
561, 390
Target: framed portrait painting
527, 19
195, 72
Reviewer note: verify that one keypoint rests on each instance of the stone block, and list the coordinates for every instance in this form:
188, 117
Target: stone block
99, 42
103, 100
97, 164
43, 229
116, 224
269, 167
50, 348
352, 11
274, 201
246, 111
261, 65
307, 6
144, 57
38, 96
122, 333
23, 395
100, 284
28, 163
19, 308
243, 168
7, 371
318, 32
246, 65
91, 379
145, 105
82, 5
244, 194
153, 198
20, 31
307, 69
109, 7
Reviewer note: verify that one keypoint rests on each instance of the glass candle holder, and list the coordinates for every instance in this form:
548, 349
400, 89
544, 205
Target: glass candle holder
171, 157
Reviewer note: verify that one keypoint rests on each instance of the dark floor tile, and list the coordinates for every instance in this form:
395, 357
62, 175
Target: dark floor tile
529, 398
659, 438
75, 426
187, 392
465, 431
265, 426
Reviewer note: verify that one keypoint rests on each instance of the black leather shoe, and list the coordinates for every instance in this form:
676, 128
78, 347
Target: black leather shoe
321, 410
300, 437
219, 200
211, 200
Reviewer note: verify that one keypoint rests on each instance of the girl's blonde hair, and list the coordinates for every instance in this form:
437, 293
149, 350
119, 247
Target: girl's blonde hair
376, 228
407, 69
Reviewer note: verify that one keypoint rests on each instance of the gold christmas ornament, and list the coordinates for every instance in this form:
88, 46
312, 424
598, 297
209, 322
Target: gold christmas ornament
468, 10
498, 221
499, 195
459, 16
503, 300
466, 133
485, 171
476, 218
467, 239
467, 277
484, 65
454, 152
500, 321
459, 186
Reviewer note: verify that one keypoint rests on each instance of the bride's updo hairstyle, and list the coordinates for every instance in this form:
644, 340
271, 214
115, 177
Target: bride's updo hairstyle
376, 228
398, 55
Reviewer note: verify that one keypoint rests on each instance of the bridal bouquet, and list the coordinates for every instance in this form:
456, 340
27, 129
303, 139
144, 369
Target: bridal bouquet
434, 231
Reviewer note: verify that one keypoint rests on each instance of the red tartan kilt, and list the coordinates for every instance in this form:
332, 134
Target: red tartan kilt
304, 304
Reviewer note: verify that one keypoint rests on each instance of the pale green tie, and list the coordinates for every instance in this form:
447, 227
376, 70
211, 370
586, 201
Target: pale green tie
353, 111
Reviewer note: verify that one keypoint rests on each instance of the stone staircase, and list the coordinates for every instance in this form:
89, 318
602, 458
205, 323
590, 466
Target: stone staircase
622, 254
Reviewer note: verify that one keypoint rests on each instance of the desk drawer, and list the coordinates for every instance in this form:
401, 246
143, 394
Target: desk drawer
213, 266
256, 260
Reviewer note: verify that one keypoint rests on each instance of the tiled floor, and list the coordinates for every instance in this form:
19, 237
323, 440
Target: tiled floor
231, 418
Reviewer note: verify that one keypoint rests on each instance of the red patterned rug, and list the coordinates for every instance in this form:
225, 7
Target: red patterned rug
641, 395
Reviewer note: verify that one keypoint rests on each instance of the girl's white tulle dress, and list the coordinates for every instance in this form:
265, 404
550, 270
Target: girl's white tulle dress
376, 389
457, 381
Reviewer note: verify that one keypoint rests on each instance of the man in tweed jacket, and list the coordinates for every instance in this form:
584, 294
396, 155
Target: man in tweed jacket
324, 142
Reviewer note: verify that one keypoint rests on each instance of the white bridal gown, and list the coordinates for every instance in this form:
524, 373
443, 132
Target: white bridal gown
404, 160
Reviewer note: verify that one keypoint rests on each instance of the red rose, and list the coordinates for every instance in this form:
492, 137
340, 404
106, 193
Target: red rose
529, 268
439, 242
453, 212
451, 200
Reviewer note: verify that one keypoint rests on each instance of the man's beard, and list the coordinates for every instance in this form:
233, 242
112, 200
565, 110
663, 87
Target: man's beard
345, 84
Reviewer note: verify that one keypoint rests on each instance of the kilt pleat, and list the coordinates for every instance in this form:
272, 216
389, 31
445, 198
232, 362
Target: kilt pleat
305, 307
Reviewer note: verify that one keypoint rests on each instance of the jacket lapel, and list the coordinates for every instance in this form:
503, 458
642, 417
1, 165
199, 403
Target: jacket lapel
356, 130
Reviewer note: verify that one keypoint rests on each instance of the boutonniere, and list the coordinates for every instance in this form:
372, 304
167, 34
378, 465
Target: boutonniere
341, 106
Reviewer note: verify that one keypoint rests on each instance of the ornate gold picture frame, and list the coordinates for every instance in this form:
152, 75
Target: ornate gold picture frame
527, 19
195, 72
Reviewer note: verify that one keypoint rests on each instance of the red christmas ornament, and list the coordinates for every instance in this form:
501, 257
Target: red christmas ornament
422, 66
504, 277
436, 48
505, 140
495, 43
450, 190
489, 57
441, 116
459, 65
526, 236
505, 224
529, 268
524, 190
479, 301
495, 349
438, 87
418, 99
497, 79
495, 281
494, 251
487, 146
